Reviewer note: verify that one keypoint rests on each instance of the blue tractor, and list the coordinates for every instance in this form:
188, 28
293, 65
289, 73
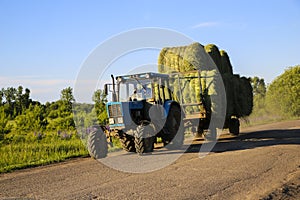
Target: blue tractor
143, 108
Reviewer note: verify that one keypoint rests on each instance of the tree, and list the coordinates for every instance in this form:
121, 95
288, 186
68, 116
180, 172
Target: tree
84, 115
26, 99
19, 96
3, 123
259, 93
85, 119
1, 96
100, 99
67, 95
67, 98
31, 120
259, 86
9, 94
59, 113
283, 94
14, 100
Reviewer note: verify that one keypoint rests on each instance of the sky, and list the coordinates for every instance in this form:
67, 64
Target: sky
43, 44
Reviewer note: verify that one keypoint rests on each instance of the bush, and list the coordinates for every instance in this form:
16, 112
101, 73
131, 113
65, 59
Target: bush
283, 94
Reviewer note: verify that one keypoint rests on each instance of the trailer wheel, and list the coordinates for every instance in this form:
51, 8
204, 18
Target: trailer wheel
234, 126
97, 144
127, 142
199, 133
175, 137
144, 140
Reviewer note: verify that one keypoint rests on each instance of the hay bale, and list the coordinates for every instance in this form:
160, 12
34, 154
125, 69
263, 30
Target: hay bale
161, 61
194, 57
214, 53
246, 96
228, 82
184, 58
238, 95
226, 66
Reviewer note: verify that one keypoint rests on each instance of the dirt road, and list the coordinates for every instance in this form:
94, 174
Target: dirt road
262, 163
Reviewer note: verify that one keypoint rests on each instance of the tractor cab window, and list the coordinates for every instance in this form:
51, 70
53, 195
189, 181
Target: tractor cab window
131, 90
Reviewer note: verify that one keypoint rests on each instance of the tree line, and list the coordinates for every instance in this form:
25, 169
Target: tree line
19, 113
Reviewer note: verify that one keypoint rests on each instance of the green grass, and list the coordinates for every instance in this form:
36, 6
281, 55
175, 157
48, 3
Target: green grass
261, 116
260, 120
22, 151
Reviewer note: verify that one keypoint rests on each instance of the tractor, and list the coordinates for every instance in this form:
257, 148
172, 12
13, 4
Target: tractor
143, 109
151, 107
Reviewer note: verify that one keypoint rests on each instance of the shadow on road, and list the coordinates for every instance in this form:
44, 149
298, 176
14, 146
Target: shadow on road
247, 140
252, 140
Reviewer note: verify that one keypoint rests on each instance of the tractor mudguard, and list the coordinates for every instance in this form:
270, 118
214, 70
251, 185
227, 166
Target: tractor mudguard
167, 105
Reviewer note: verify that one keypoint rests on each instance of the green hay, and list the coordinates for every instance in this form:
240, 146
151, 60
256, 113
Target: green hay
214, 53
187, 59
183, 59
226, 66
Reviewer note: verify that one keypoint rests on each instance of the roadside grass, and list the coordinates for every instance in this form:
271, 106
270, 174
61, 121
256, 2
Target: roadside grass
27, 151
18, 151
264, 117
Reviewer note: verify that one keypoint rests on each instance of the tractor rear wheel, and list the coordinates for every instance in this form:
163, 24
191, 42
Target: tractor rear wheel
144, 140
97, 144
174, 137
127, 142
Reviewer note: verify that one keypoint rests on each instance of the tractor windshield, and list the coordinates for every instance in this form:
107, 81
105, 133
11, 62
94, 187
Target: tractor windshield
135, 90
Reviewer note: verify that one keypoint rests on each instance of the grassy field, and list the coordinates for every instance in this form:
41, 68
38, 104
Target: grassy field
27, 150
18, 151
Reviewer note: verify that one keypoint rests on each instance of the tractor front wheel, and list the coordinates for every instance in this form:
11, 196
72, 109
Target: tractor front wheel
97, 144
144, 140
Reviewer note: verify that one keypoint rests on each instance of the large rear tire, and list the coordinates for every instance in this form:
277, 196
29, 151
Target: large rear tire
174, 136
127, 142
144, 140
97, 144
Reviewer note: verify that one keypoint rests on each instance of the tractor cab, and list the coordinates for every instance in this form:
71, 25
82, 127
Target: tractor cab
145, 86
142, 109
136, 99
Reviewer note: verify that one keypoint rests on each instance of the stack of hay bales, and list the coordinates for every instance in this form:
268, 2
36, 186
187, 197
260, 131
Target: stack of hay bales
187, 59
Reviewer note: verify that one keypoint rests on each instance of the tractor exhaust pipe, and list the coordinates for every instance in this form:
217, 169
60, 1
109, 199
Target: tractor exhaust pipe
114, 95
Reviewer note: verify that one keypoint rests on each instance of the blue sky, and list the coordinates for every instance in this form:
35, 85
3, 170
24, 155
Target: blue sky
44, 43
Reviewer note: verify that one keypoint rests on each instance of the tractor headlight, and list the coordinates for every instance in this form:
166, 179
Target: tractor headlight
111, 120
120, 120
